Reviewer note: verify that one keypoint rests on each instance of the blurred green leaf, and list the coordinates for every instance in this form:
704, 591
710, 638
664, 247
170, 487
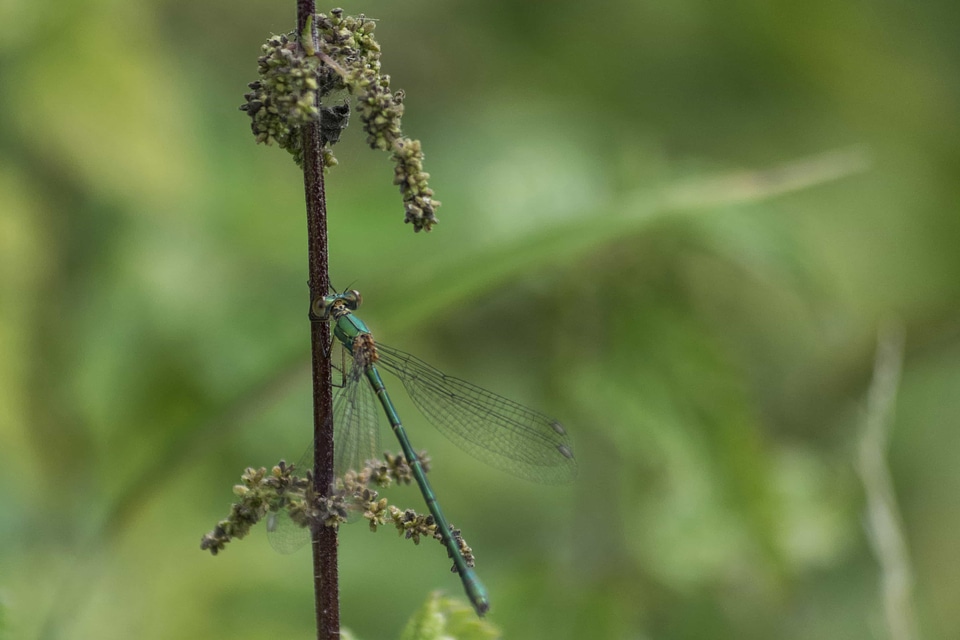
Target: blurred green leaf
442, 617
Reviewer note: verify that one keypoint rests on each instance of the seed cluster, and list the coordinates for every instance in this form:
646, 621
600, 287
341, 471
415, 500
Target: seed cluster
295, 78
282, 490
285, 97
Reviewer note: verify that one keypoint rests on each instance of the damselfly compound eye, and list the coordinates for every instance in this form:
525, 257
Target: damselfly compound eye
353, 299
319, 307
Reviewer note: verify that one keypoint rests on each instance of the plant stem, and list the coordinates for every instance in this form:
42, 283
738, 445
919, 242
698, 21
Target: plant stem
325, 579
884, 522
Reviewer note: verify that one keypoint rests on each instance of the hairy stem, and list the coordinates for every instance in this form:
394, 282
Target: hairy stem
325, 579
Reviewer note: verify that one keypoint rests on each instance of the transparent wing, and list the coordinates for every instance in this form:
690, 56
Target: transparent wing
356, 424
356, 432
284, 535
498, 431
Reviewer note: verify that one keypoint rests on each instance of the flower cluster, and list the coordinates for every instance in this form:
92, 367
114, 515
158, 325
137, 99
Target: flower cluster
285, 96
282, 490
413, 525
295, 78
259, 493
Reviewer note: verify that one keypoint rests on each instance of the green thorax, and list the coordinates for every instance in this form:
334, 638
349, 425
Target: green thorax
338, 307
347, 328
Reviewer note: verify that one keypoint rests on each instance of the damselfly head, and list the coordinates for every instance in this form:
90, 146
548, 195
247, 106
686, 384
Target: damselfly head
323, 307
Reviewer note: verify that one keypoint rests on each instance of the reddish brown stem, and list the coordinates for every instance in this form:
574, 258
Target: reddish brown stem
325, 579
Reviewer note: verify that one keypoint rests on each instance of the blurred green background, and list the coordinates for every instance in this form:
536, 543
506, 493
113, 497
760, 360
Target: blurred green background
677, 226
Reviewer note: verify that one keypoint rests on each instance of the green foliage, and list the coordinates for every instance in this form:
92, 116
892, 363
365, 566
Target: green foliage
651, 240
442, 617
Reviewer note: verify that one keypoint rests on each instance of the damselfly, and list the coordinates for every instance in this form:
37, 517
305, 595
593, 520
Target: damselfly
493, 429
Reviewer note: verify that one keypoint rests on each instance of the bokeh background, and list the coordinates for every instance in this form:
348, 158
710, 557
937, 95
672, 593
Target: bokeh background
681, 227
